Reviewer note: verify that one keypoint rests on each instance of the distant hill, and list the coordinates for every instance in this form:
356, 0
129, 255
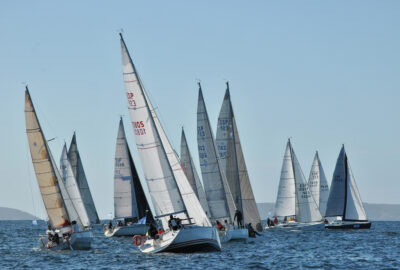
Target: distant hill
14, 214
377, 212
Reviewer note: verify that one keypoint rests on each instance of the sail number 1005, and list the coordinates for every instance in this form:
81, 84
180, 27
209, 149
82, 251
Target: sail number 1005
139, 128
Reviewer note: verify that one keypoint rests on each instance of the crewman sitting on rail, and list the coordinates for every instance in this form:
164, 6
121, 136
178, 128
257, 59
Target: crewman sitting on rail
172, 223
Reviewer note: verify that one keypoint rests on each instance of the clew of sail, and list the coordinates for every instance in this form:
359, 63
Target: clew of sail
169, 189
45, 168
80, 176
72, 189
219, 196
190, 171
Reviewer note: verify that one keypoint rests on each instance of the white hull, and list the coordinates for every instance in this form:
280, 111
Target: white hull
79, 241
130, 230
315, 226
239, 234
225, 236
187, 239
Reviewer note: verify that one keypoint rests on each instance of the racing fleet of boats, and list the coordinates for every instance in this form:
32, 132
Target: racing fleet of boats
187, 214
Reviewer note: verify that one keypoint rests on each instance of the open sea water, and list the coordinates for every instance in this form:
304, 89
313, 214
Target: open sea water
378, 248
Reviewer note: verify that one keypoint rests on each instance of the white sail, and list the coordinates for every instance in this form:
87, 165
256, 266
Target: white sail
72, 189
219, 197
124, 191
191, 173
286, 198
233, 163
168, 186
80, 176
306, 209
318, 184
344, 199
45, 168
354, 206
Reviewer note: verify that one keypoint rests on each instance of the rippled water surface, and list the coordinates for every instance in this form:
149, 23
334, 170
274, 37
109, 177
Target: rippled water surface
378, 248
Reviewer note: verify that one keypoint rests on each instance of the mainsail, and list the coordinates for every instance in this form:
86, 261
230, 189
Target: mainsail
344, 199
168, 186
79, 173
219, 197
294, 196
318, 184
45, 168
233, 163
190, 171
286, 198
72, 189
129, 197
306, 208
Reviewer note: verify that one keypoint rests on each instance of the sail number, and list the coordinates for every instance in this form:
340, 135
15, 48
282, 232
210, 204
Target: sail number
223, 124
131, 101
200, 131
139, 128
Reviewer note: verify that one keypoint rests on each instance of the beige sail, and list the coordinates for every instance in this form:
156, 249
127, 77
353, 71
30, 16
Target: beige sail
45, 169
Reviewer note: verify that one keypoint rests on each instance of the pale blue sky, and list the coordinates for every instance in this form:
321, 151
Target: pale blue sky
321, 72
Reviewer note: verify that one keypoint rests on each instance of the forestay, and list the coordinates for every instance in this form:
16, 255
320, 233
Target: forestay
344, 199
233, 163
318, 184
124, 193
72, 189
285, 200
306, 208
219, 197
169, 189
191, 173
45, 168
80, 176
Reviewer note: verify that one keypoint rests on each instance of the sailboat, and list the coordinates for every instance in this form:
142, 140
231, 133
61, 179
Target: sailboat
219, 196
130, 203
318, 184
344, 200
294, 197
80, 176
170, 191
60, 234
190, 171
233, 163
74, 201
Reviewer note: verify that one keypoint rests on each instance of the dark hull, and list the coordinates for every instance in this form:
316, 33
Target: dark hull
349, 226
202, 245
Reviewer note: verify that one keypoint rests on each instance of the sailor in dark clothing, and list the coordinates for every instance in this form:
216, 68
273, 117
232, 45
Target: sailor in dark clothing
153, 233
110, 225
239, 217
172, 223
252, 232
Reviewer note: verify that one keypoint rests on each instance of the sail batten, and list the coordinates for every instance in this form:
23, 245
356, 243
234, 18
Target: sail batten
233, 162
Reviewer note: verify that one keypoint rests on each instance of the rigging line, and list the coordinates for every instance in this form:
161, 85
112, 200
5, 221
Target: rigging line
29, 182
